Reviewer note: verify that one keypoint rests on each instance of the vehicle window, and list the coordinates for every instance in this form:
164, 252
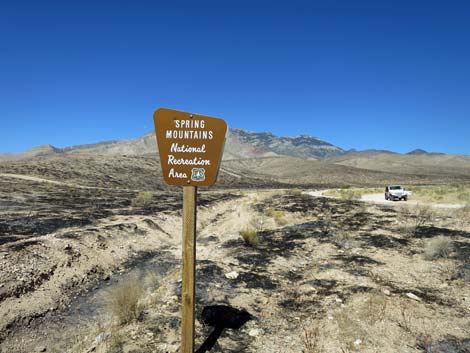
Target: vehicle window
395, 187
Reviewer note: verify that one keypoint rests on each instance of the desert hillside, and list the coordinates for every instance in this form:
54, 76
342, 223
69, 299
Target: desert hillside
424, 163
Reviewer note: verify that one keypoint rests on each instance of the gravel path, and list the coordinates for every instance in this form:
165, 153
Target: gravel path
380, 199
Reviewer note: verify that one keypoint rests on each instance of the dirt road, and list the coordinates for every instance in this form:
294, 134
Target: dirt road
380, 199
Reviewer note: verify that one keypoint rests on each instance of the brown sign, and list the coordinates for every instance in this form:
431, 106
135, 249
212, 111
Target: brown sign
190, 147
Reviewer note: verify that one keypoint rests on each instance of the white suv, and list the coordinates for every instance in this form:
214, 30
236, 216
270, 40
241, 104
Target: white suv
396, 192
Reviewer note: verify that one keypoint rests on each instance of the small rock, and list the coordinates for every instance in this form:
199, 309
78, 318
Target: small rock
232, 275
339, 300
385, 291
357, 342
41, 349
103, 336
412, 296
254, 332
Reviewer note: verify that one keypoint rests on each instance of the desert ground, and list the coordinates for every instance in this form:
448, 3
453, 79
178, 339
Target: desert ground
96, 267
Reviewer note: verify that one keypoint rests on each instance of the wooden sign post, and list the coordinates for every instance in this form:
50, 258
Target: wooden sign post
190, 148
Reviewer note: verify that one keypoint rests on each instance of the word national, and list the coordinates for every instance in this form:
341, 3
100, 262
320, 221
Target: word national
175, 147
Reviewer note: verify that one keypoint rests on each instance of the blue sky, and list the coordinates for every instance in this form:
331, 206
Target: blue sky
381, 74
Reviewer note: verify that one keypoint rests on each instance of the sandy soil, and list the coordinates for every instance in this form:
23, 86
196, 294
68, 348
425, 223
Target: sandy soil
327, 276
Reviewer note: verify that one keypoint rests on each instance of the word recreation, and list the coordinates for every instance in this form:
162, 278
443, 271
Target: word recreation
190, 146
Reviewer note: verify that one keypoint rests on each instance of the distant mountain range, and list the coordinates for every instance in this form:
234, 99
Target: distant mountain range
246, 145
253, 159
240, 144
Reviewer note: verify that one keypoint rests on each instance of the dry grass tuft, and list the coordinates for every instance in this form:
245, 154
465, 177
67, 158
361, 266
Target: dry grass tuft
250, 236
311, 340
439, 247
143, 199
123, 301
278, 215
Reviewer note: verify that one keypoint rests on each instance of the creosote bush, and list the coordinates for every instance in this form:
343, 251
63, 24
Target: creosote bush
416, 218
123, 301
143, 199
437, 248
250, 236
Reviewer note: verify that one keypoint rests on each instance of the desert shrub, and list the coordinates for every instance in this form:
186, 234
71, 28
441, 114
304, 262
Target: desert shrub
269, 212
342, 239
115, 343
438, 247
462, 215
294, 192
463, 272
143, 199
278, 216
416, 218
375, 308
250, 236
123, 301
327, 225
305, 197
311, 340
346, 193
350, 194
151, 280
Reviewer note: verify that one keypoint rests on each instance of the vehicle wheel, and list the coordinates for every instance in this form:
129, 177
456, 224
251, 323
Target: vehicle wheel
405, 198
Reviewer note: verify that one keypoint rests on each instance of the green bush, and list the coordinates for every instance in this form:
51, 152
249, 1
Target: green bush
250, 236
